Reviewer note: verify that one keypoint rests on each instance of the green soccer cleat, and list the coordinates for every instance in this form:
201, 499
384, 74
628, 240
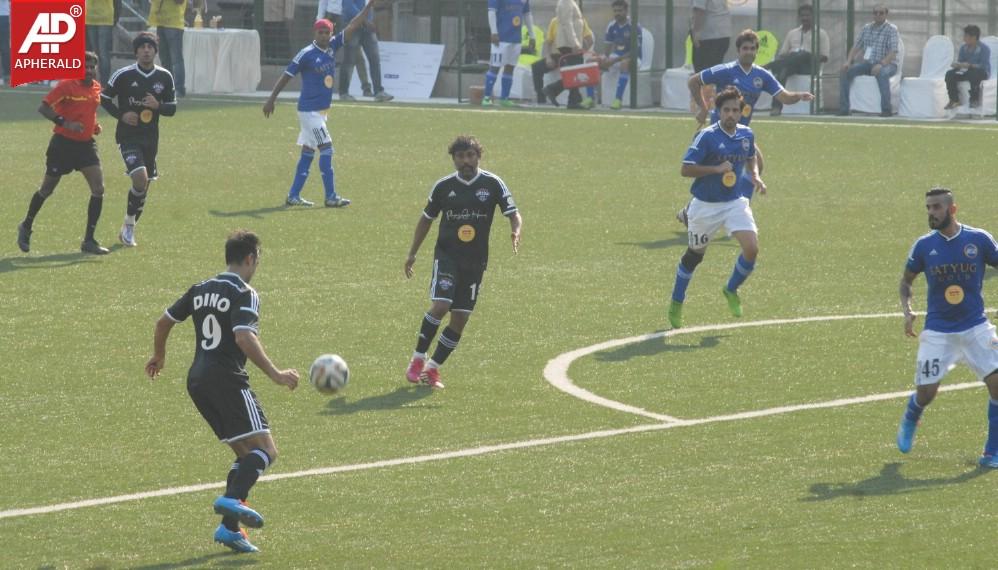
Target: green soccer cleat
734, 303
587, 103
486, 101
615, 105
506, 103
676, 314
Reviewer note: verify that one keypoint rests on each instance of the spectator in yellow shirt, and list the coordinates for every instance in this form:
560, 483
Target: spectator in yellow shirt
549, 61
100, 34
168, 18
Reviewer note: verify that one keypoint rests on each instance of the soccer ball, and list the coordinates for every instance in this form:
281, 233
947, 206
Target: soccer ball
329, 373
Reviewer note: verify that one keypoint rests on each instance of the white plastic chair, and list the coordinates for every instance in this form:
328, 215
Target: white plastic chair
802, 83
989, 87
924, 97
608, 80
864, 95
675, 88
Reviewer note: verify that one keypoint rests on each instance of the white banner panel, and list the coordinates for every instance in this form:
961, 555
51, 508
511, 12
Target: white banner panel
408, 71
743, 8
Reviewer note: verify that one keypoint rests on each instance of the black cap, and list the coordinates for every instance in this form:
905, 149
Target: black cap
145, 38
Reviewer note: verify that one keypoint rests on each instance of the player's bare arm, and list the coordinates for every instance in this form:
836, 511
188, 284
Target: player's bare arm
515, 229
357, 21
268, 106
757, 183
50, 114
158, 360
422, 229
904, 291
791, 97
700, 170
696, 95
253, 349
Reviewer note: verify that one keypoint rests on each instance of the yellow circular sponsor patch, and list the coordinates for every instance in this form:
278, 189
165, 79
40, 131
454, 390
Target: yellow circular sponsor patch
146, 115
747, 110
328, 81
466, 233
729, 179
954, 294
516, 20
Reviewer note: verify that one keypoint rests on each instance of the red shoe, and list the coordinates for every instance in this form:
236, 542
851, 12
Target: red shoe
431, 377
415, 370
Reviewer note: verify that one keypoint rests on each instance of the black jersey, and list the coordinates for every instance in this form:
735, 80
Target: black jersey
125, 91
221, 306
466, 209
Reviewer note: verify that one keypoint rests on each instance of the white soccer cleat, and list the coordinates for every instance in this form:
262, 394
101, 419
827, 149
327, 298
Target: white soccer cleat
127, 235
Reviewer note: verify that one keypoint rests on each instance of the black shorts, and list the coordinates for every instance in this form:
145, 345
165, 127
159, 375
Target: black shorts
66, 155
140, 155
459, 283
230, 408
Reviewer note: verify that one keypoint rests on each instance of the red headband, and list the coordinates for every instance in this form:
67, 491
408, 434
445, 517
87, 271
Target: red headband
323, 25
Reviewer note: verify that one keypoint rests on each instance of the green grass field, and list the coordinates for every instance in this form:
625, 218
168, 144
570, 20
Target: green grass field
810, 488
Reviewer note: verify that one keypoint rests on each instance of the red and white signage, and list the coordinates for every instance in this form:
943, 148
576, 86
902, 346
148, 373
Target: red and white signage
47, 40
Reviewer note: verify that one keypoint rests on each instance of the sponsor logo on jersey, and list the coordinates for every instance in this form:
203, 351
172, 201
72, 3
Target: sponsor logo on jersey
970, 250
745, 145
158, 87
757, 82
146, 115
452, 194
729, 179
466, 233
933, 252
483, 194
135, 83
50, 38
954, 294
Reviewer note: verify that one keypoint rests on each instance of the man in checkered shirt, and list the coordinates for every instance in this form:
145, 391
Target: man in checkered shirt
875, 53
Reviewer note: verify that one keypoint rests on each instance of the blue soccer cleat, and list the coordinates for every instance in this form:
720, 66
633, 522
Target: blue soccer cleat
226, 506
988, 461
906, 435
236, 540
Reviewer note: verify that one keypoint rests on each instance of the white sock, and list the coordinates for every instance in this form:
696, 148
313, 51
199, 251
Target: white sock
419, 356
432, 364
130, 220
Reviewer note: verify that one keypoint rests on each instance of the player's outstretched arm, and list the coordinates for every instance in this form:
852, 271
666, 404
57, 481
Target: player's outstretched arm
791, 97
422, 228
357, 21
163, 327
904, 290
253, 349
268, 105
515, 229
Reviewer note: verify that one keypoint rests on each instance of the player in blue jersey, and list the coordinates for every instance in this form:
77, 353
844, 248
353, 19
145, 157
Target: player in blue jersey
618, 48
317, 65
721, 160
505, 20
953, 258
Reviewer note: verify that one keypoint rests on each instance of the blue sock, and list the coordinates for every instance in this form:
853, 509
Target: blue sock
490, 82
991, 445
622, 83
683, 277
326, 169
301, 173
590, 92
913, 412
743, 268
507, 85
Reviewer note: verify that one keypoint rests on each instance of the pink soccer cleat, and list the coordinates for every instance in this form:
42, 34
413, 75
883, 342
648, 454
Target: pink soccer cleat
431, 377
415, 370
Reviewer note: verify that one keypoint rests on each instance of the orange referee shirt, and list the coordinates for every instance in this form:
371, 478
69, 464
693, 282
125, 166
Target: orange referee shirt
77, 102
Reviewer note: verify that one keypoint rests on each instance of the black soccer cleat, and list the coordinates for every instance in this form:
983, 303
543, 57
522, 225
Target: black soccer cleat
91, 246
23, 237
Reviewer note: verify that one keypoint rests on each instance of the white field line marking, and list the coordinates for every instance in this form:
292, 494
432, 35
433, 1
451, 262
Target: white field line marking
483, 450
556, 371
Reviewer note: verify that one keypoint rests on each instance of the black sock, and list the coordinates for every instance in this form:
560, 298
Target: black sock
427, 331
36, 204
446, 345
231, 523
136, 202
251, 466
93, 214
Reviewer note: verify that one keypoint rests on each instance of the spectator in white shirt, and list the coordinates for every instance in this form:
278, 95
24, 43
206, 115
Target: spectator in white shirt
795, 53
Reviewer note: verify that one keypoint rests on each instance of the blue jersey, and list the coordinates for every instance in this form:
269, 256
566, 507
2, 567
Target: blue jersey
751, 84
509, 18
619, 36
954, 270
317, 67
711, 147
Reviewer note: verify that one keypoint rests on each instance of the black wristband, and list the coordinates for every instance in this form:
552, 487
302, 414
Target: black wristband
59, 120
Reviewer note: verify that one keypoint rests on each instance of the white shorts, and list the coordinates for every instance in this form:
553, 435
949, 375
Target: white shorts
939, 352
506, 53
705, 218
313, 129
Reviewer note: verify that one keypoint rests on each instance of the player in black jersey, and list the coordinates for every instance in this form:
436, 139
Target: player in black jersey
465, 201
137, 95
226, 320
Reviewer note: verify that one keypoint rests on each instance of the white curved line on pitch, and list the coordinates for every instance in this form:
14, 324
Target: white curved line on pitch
556, 371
